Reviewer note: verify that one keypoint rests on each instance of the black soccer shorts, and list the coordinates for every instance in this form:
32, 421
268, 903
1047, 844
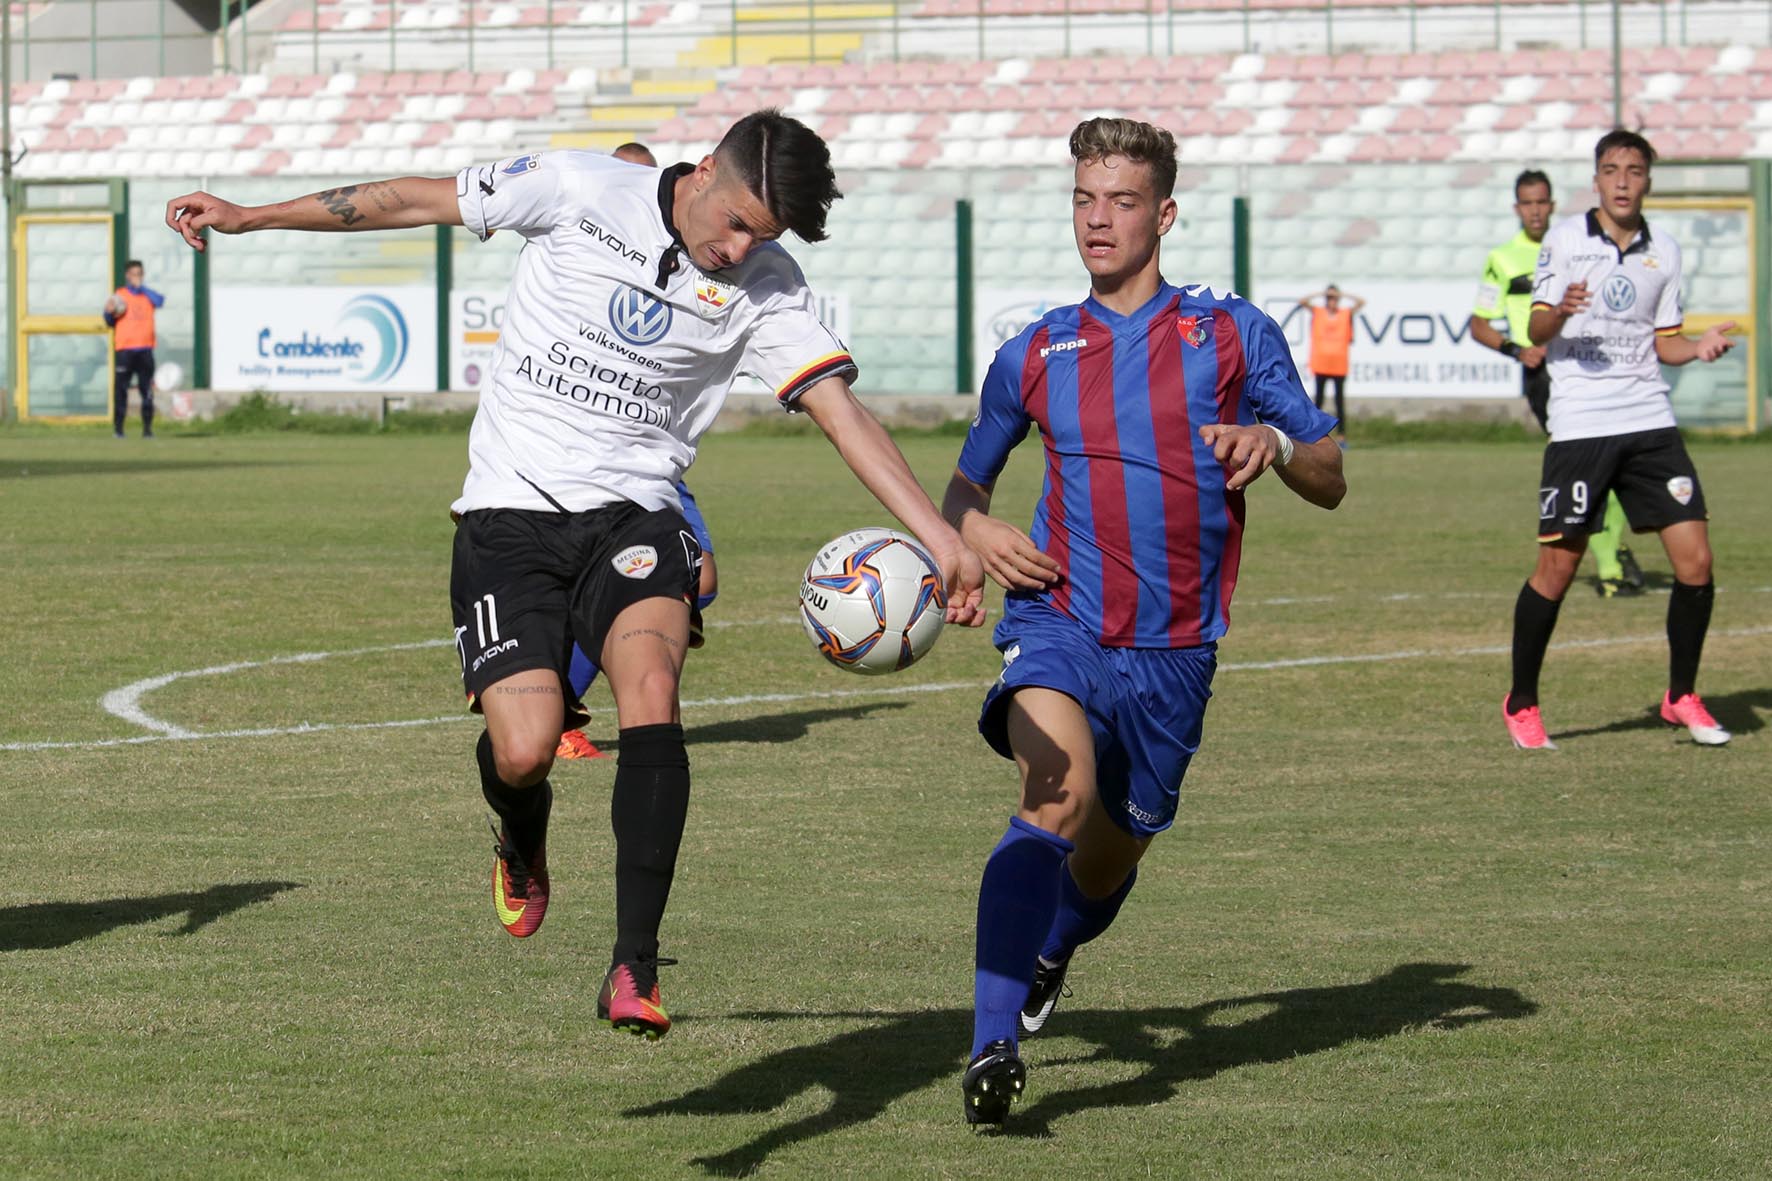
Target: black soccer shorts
1650, 470
525, 585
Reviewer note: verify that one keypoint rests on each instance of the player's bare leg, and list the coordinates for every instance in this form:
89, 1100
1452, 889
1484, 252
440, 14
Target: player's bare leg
1055, 752
643, 659
1535, 618
524, 715
1688, 619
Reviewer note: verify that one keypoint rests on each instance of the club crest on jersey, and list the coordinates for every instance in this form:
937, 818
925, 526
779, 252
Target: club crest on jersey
638, 318
712, 296
521, 165
637, 561
1619, 292
1191, 330
1680, 488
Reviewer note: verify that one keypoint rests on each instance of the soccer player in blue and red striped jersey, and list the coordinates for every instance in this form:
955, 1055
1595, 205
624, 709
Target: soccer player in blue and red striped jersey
1157, 406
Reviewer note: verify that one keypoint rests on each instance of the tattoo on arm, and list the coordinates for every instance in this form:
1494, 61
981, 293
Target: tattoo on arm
386, 196
338, 203
651, 631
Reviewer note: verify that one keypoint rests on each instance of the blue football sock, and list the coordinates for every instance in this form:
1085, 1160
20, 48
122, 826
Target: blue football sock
581, 673
1016, 901
1081, 918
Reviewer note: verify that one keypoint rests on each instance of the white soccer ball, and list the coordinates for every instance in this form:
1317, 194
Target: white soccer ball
115, 306
169, 377
872, 601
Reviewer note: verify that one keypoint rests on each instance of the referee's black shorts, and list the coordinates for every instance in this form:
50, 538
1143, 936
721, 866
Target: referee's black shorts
525, 585
1649, 470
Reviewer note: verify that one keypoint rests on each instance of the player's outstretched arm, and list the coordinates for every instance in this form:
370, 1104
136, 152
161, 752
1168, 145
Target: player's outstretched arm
1679, 350
1009, 555
880, 466
401, 203
1313, 471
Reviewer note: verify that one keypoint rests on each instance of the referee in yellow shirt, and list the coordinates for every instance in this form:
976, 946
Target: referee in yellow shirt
1504, 306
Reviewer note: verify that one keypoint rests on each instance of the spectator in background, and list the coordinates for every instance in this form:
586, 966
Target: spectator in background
129, 313
635, 153
1332, 331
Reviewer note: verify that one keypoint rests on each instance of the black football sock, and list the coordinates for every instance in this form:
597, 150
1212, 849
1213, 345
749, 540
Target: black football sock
1688, 618
1535, 618
647, 809
523, 810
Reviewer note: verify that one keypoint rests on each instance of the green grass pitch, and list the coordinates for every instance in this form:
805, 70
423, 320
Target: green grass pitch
1378, 943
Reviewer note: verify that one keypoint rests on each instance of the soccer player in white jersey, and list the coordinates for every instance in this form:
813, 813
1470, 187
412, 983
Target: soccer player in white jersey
1606, 306
639, 296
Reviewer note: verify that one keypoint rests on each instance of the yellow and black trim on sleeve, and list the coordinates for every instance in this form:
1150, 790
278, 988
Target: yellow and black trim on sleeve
838, 364
1674, 331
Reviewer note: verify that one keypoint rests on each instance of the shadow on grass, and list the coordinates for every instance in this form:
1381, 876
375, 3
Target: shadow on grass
774, 728
22, 468
866, 1070
42, 925
1738, 713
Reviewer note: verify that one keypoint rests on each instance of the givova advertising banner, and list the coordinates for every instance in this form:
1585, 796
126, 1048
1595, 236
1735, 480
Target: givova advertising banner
344, 339
1411, 340
477, 316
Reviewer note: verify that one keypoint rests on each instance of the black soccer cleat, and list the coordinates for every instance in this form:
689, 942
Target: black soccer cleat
1043, 995
994, 1080
1633, 573
1614, 588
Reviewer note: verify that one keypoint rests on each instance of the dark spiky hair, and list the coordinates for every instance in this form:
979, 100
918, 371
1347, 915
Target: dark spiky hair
1630, 140
1532, 176
786, 166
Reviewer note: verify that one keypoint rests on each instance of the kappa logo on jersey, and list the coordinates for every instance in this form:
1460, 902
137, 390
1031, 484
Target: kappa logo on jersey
637, 561
1547, 503
1680, 488
638, 318
1619, 292
1191, 330
1064, 346
521, 165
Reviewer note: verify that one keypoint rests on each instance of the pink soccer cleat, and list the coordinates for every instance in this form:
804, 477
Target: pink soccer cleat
1689, 712
1526, 727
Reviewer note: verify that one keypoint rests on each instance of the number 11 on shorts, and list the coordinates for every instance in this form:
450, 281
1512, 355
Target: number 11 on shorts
486, 615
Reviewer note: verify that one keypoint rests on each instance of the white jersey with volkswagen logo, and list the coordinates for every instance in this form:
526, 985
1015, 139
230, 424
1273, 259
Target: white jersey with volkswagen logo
1605, 376
616, 352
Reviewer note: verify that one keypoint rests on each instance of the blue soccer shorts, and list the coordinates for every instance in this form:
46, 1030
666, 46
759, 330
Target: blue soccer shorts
1146, 706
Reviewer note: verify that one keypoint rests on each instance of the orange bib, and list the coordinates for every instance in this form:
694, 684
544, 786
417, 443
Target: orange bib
135, 328
1331, 333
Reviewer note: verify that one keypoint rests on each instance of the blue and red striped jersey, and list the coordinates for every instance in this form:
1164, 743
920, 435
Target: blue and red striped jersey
1134, 506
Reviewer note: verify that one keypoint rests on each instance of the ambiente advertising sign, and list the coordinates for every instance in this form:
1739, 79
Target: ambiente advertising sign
344, 339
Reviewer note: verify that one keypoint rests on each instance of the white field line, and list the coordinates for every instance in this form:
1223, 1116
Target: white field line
166, 732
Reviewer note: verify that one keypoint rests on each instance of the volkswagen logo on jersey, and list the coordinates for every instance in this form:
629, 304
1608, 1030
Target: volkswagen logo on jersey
638, 318
1619, 293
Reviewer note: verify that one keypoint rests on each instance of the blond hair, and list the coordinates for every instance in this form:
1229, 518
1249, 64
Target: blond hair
1141, 143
